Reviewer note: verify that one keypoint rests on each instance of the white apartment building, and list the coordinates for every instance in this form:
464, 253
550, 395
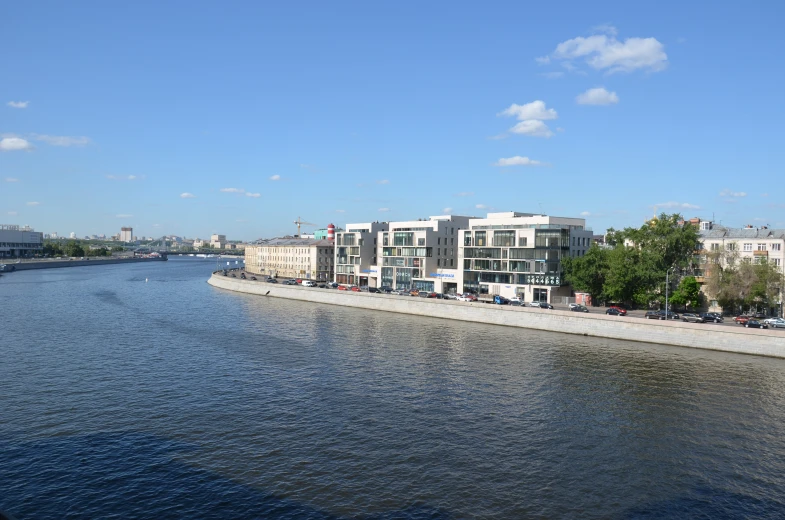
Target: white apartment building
126, 234
356, 253
420, 254
752, 244
519, 254
20, 241
292, 258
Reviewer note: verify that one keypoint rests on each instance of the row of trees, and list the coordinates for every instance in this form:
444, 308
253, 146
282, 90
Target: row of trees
741, 285
76, 248
631, 268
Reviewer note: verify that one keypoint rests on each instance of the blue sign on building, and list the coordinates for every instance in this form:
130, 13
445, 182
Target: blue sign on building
441, 275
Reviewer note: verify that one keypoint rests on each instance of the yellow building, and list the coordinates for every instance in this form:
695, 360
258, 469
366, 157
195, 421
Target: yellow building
305, 258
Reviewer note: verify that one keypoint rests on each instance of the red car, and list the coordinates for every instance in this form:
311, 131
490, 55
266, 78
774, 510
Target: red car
741, 320
617, 311
343, 288
356, 289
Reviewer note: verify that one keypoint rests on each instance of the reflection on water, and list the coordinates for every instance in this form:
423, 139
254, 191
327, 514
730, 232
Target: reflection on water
175, 399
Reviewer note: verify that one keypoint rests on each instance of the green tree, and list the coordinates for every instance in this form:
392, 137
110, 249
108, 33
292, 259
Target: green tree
687, 293
587, 273
72, 248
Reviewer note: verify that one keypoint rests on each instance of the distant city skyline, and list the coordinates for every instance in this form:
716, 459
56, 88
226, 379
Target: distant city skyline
242, 120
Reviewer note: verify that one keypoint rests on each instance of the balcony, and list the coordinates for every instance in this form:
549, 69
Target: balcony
760, 253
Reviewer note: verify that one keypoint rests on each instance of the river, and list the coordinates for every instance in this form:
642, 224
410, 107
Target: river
139, 391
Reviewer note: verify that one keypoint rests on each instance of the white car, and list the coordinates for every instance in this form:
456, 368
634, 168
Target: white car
534, 304
775, 323
573, 305
516, 299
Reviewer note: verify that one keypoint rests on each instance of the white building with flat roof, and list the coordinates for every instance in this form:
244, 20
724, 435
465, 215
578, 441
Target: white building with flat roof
16, 241
126, 234
356, 253
516, 254
419, 254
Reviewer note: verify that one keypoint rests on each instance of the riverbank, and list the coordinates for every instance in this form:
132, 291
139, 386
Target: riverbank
55, 264
693, 335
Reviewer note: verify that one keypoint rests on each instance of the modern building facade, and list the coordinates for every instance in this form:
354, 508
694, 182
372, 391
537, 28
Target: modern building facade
419, 254
18, 241
519, 254
356, 253
292, 258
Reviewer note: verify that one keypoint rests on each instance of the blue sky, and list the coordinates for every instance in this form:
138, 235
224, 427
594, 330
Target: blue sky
193, 118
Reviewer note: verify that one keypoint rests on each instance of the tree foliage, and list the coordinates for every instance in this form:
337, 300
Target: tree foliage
742, 285
631, 267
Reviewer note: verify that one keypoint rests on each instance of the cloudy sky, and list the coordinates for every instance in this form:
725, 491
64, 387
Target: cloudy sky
197, 118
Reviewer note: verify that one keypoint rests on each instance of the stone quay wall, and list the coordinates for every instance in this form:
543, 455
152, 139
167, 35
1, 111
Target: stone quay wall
693, 335
53, 264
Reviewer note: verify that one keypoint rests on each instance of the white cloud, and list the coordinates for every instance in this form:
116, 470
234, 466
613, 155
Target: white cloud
187, 195
729, 193
605, 52
517, 161
11, 144
11, 179
123, 215
559, 129
679, 205
340, 211
585, 214
597, 96
62, 140
275, 178
533, 110
254, 195
383, 181
13, 213
605, 28
131, 177
384, 209
446, 211
481, 206
532, 127
18, 104
33, 203
233, 190
465, 194
543, 60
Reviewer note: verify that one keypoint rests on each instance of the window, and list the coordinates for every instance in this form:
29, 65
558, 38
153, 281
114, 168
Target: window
777, 262
748, 247
715, 246
439, 241
452, 263
504, 238
775, 247
438, 262
761, 247
522, 241
420, 241
730, 246
439, 252
452, 241
479, 238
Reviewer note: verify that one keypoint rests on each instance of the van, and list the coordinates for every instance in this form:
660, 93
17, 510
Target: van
308, 283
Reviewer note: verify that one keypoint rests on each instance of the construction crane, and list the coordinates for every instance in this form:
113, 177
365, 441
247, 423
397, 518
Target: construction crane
301, 222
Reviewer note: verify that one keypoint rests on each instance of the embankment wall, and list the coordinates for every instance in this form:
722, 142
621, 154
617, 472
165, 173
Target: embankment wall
694, 335
53, 264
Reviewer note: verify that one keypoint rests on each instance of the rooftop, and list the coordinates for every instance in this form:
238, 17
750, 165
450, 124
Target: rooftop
719, 232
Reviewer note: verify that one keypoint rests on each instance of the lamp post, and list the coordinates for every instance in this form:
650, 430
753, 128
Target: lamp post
667, 285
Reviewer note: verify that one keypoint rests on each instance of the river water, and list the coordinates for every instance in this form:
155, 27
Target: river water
139, 391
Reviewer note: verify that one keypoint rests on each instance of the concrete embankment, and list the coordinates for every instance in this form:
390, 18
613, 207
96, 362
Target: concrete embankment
53, 264
695, 335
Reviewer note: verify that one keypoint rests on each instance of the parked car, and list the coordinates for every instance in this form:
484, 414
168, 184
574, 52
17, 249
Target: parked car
759, 316
374, 290
450, 296
775, 323
343, 288
752, 323
516, 299
615, 311
414, 292
386, 289
654, 315
517, 304
534, 304
253, 278
543, 305
322, 286
355, 289
742, 320
272, 280
712, 317
334, 285
467, 297
308, 283
579, 308
692, 317
500, 300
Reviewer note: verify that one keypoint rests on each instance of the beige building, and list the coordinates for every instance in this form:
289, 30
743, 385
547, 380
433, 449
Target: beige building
217, 241
292, 258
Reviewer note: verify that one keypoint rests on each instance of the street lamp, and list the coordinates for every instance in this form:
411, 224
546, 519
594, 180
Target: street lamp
667, 284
